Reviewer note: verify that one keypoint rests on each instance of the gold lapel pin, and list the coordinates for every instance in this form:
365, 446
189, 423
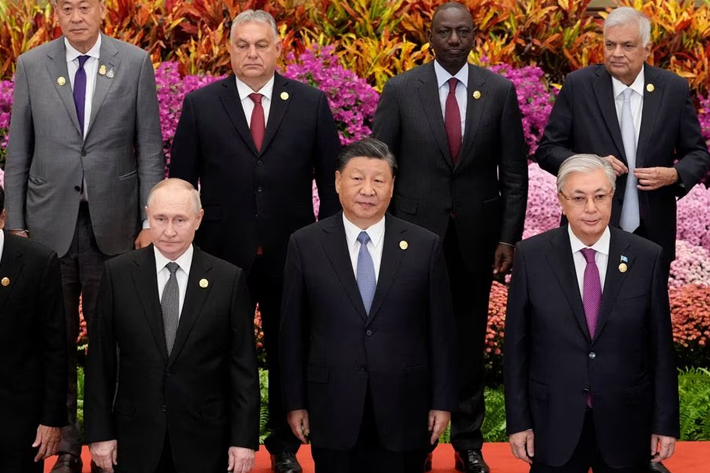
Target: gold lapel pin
284, 95
403, 244
204, 283
476, 94
110, 74
623, 267
102, 70
5, 282
650, 88
61, 80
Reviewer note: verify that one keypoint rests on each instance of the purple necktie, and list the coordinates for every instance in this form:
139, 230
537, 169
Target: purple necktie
452, 120
257, 125
80, 91
592, 294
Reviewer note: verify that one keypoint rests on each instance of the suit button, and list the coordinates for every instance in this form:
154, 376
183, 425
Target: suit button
585, 391
259, 163
163, 408
258, 190
592, 355
77, 188
168, 372
368, 333
83, 152
363, 368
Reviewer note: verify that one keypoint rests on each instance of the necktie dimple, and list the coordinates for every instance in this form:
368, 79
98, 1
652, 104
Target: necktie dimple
592, 290
257, 126
452, 120
366, 280
80, 91
170, 303
630, 217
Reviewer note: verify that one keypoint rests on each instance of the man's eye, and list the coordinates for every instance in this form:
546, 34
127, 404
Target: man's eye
579, 199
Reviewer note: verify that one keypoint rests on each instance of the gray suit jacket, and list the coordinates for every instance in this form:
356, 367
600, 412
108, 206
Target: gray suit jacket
120, 158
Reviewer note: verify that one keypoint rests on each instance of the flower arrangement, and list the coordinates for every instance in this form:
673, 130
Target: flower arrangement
543, 212
694, 217
690, 314
493, 355
691, 266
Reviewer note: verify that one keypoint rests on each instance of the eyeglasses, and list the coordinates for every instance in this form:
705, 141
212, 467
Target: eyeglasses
581, 200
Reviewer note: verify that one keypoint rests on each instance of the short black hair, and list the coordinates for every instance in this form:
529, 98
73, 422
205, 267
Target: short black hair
448, 6
2, 198
367, 148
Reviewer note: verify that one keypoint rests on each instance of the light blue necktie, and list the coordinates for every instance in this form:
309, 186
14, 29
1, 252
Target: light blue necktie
630, 218
366, 281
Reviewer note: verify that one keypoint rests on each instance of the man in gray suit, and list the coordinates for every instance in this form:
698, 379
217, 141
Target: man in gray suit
85, 149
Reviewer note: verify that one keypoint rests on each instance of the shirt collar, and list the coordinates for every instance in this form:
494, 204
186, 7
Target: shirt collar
601, 246
442, 76
636, 86
184, 261
72, 53
244, 90
375, 231
2, 243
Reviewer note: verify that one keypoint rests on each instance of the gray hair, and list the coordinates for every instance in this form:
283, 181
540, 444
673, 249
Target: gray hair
367, 148
585, 164
257, 16
625, 15
176, 183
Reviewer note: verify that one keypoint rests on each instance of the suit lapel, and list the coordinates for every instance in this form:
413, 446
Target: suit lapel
145, 281
429, 96
336, 249
604, 92
108, 56
392, 256
57, 68
233, 106
562, 264
277, 110
651, 106
474, 111
618, 247
10, 268
195, 297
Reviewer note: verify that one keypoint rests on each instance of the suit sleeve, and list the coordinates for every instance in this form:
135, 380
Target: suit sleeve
512, 170
441, 334
244, 375
557, 140
386, 125
515, 353
691, 149
185, 154
101, 366
292, 333
666, 420
19, 150
326, 155
148, 140
54, 346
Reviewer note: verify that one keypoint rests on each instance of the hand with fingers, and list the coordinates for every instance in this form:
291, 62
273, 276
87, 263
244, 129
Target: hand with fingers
523, 445
46, 441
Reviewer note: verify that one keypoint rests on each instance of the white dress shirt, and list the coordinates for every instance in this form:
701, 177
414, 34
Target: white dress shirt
376, 233
248, 104
636, 101
91, 66
442, 77
601, 257
2, 243
184, 261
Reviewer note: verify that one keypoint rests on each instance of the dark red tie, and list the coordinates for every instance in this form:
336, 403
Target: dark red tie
258, 124
452, 120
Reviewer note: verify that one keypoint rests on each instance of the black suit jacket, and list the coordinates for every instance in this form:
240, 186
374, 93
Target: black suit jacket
487, 188
252, 198
551, 363
205, 394
331, 350
584, 120
33, 342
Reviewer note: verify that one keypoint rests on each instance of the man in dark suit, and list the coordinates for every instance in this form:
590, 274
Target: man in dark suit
85, 149
253, 142
172, 381
590, 378
662, 128
463, 175
367, 328
33, 353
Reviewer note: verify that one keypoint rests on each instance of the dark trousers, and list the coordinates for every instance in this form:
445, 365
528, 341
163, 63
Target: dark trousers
81, 269
20, 460
586, 455
368, 455
470, 290
265, 284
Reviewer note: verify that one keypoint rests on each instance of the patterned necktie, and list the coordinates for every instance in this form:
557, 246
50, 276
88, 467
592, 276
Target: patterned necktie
366, 280
630, 218
258, 123
592, 293
170, 303
80, 91
452, 120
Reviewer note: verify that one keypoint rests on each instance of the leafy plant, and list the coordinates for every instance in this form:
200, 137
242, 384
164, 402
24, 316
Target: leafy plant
694, 390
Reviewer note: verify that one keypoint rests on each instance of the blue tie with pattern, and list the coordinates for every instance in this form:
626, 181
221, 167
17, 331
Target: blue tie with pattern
366, 281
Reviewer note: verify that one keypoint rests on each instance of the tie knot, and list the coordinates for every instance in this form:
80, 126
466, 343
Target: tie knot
172, 267
453, 82
82, 61
589, 254
363, 238
256, 98
627, 93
